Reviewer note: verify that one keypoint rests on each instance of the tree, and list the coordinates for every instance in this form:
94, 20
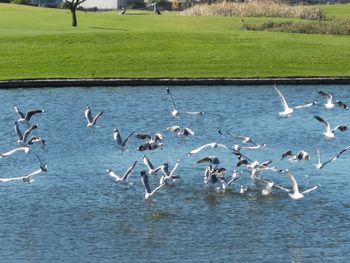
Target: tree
73, 5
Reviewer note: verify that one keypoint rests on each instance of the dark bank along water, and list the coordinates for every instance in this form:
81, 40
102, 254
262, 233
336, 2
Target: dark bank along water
76, 213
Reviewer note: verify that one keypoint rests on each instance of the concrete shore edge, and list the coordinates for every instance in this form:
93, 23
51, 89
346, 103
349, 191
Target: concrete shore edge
35, 83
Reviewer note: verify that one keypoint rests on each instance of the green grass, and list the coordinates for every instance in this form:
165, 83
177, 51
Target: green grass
40, 43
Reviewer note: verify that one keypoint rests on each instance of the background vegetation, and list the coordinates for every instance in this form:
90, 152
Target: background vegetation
40, 43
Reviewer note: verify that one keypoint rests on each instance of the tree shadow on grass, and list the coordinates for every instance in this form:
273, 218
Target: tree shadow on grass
108, 28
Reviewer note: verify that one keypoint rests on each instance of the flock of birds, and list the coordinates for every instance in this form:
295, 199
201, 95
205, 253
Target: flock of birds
215, 177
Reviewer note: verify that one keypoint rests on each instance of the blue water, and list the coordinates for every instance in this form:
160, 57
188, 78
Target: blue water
76, 213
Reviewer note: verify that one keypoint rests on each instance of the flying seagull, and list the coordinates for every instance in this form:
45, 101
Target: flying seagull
182, 132
148, 192
287, 110
329, 104
302, 155
123, 178
209, 159
176, 113
328, 132
209, 145
320, 165
37, 140
296, 194
91, 122
22, 138
28, 178
121, 143
25, 118
151, 168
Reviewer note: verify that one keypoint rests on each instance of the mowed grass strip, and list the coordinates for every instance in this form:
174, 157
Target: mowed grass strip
40, 43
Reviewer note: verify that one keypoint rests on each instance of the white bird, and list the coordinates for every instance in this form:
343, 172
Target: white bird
153, 142
121, 143
175, 112
320, 165
24, 149
126, 175
269, 185
91, 122
148, 192
25, 118
182, 132
329, 104
287, 110
167, 176
296, 194
329, 133
22, 138
28, 178
209, 145
243, 189
151, 169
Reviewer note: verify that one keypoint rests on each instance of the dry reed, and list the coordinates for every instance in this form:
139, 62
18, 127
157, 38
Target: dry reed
256, 9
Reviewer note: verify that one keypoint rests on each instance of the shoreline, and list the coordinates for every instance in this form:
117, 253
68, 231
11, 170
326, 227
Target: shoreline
86, 82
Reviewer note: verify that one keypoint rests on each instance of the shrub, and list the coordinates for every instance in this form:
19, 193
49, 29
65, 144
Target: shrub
335, 27
257, 9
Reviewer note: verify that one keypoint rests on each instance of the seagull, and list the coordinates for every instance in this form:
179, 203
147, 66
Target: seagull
297, 195
22, 139
148, 192
209, 145
330, 133
269, 185
152, 142
151, 169
329, 104
25, 149
121, 143
37, 140
287, 110
182, 132
321, 165
28, 178
235, 176
123, 178
209, 159
91, 121
176, 113
164, 179
302, 155
25, 118
243, 189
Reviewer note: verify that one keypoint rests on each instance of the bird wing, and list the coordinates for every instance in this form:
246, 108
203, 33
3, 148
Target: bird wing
157, 188
88, 115
328, 126
28, 131
14, 151
143, 136
31, 113
6, 180
97, 117
188, 131
305, 105
18, 132
207, 159
193, 112
341, 128
21, 114
327, 95
144, 179
114, 175
341, 104
171, 98
283, 100
158, 137
174, 169
294, 183
197, 150
127, 138
148, 163
128, 172
310, 189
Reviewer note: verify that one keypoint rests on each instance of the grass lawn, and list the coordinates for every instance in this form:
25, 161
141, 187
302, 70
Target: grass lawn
40, 43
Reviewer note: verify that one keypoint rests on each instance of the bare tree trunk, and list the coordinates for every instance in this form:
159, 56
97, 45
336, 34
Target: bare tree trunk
74, 17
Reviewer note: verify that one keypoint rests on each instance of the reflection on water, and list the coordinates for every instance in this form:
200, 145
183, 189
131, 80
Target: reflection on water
76, 213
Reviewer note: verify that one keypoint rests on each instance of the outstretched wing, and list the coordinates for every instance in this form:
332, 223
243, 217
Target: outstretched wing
31, 113
283, 100
128, 172
171, 98
97, 117
88, 115
21, 114
127, 138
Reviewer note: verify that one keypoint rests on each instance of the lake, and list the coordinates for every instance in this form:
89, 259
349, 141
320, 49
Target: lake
76, 213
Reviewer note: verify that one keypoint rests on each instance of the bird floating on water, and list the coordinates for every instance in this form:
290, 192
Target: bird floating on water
329, 104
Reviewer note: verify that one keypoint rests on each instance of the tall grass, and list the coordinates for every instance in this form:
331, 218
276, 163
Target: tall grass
257, 9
